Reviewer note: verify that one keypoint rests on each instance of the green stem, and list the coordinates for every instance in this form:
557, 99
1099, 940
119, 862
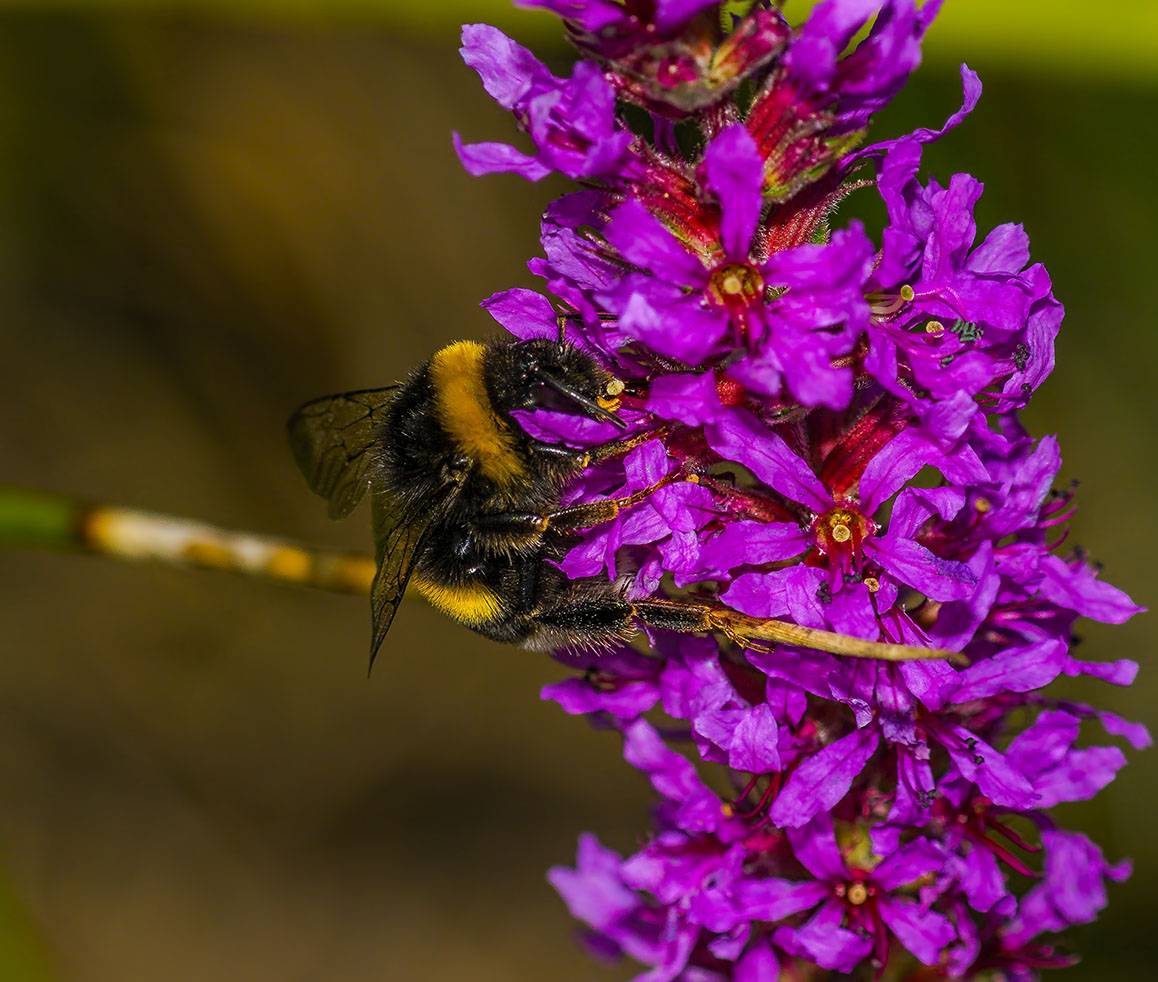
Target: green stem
39, 519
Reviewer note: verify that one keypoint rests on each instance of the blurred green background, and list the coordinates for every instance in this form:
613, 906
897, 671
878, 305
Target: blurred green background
210, 212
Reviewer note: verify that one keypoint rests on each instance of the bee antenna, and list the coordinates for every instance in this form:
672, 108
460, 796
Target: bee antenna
593, 408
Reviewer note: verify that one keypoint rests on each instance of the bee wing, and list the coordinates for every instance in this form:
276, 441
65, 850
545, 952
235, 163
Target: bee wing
401, 527
332, 439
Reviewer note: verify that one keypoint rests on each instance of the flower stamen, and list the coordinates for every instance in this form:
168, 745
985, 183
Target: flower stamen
735, 285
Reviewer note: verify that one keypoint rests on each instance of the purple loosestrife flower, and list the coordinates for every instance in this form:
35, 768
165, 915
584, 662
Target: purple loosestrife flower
831, 416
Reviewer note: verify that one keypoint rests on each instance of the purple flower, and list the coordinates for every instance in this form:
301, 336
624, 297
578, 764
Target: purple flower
860, 907
602, 15
866, 80
572, 121
823, 432
670, 55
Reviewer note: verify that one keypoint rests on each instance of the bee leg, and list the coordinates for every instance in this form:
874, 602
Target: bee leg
528, 583
617, 448
596, 512
583, 623
745, 631
578, 458
583, 459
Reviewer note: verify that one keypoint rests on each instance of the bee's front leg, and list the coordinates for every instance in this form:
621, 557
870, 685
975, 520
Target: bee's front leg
592, 513
577, 458
582, 459
617, 448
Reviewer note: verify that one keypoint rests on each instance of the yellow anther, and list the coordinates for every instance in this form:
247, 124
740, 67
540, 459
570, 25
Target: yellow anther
614, 387
983, 505
735, 282
907, 293
872, 583
841, 533
935, 328
857, 894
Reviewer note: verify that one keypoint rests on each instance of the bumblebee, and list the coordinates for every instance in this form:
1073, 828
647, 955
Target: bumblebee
466, 506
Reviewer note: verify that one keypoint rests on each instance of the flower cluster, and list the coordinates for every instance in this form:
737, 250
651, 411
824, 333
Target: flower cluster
846, 408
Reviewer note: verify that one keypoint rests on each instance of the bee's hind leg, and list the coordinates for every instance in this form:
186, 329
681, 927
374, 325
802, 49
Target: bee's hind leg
747, 632
592, 622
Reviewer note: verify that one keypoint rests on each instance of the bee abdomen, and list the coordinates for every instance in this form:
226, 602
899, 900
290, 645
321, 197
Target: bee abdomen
473, 604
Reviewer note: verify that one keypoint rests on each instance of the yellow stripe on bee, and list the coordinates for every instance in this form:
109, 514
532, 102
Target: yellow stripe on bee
467, 416
471, 604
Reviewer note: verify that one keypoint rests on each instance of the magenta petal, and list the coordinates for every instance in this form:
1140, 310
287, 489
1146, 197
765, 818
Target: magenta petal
687, 398
680, 330
672, 775
1005, 248
1075, 874
830, 945
646, 464
1045, 743
981, 878
892, 466
915, 506
1012, 670
525, 313
923, 932
915, 785
774, 899
577, 696
1080, 776
1136, 734
971, 86
644, 241
591, 15
1121, 672
814, 844
851, 612
735, 172
911, 143
498, 158
1080, 590
916, 566
742, 438
824, 779
996, 777
754, 742
507, 69
825, 34
757, 964
909, 863
672, 13
750, 543
593, 891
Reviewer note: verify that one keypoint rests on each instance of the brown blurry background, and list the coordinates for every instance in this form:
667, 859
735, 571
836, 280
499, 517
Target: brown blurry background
204, 222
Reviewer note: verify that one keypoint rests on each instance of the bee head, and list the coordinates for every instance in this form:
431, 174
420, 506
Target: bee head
526, 371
